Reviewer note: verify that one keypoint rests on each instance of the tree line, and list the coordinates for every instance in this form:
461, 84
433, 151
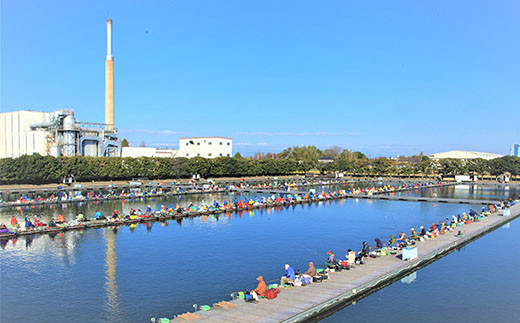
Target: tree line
37, 169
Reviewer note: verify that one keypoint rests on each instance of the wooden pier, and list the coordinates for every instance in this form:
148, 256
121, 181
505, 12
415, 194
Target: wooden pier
298, 304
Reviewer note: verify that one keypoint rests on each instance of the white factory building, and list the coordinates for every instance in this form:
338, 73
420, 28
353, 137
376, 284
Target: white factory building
54, 133
207, 147
16, 136
463, 155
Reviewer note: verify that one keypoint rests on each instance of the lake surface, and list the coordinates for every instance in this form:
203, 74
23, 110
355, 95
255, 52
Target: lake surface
161, 269
467, 191
478, 283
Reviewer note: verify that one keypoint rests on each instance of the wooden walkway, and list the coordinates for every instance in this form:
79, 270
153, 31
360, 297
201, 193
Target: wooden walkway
298, 304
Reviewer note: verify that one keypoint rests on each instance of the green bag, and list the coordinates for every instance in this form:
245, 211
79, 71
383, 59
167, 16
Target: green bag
383, 252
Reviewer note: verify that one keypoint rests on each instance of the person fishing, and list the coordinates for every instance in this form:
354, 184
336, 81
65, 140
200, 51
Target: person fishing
28, 223
311, 272
61, 219
261, 287
351, 257
379, 243
365, 251
413, 236
14, 222
289, 276
331, 260
402, 240
51, 224
392, 243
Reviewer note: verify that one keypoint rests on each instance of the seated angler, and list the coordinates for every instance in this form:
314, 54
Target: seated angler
14, 222
99, 216
413, 236
60, 219
434, 230
351, 257
392, 243
289, 276
402, 240
261, 287
51, 224
423, 234
28, 224
379, 243
365, 251
331, 260
311, 272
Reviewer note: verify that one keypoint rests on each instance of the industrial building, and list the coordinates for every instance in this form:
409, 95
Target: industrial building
463, 155
207, 147
58, 133
54, 133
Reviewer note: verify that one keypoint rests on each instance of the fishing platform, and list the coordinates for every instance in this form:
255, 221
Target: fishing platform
299, 304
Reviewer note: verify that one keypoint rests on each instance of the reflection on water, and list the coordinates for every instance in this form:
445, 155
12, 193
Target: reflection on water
111, 275
466, 191
410, 279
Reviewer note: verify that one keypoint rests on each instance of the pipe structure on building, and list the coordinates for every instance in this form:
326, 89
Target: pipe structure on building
109, 80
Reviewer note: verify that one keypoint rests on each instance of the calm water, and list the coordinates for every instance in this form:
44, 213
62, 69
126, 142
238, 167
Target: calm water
479, 283
467, 191
162, 269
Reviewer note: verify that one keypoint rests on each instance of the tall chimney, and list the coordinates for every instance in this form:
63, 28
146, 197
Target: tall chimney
109, 80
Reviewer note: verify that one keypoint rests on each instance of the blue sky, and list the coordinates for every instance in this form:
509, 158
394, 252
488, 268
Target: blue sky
382, 77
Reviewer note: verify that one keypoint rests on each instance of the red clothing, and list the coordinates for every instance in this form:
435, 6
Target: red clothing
14, 221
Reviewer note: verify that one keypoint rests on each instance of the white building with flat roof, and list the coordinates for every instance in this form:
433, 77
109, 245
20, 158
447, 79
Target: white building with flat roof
16, 136
464, 155
207, 147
